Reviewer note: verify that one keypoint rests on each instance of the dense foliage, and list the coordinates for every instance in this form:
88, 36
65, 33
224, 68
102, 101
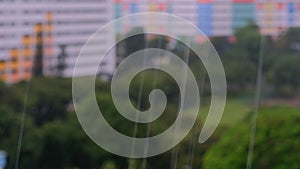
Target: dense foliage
276, 142
53, 137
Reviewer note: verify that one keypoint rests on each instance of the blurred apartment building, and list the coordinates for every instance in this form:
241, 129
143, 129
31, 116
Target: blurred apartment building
48, 34
216, 17
45, 37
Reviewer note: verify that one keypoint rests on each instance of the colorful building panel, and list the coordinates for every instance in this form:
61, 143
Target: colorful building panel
204, 17
243, 13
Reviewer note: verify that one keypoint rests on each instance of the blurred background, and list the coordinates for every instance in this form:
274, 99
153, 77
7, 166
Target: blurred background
41, 39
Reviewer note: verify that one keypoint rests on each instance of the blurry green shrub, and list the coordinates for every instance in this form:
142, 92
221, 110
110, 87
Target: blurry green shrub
277, 142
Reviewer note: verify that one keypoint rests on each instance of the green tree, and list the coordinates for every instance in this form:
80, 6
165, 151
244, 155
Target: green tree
285, 75
9, 133
240, 59
276, 142
135, 42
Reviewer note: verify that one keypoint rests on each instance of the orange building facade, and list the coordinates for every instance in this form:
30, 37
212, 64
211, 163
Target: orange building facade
20, 63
